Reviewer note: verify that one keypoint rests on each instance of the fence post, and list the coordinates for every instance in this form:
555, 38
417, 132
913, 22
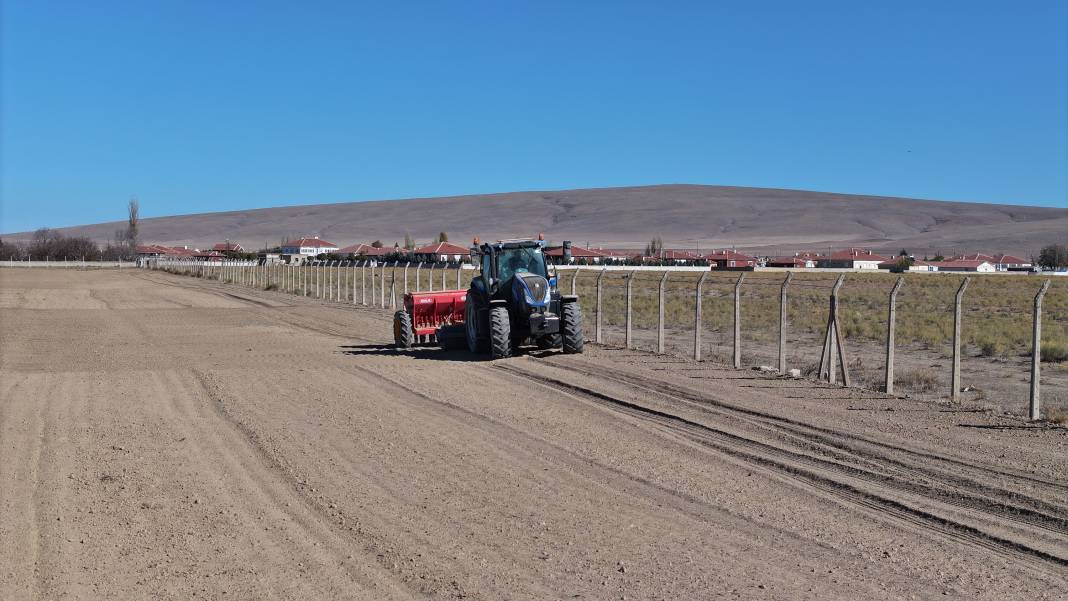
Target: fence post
444, 270
418, 268
782, 322
698, 293
574, 279
600, 294
738, 321
956, 339
459, 271
660, 314
406, 276
891, 318
382, 288
1035, 409
363, 281
372, 284
430, 278
832, 341
630, 281
393, 287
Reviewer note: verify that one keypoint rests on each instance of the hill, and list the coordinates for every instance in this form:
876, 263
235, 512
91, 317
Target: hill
685, 216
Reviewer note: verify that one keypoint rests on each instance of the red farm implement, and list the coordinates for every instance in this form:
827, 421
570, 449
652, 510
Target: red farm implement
430, 317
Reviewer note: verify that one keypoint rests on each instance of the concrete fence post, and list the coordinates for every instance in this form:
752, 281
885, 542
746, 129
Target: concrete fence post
600, 295
574, 280
660, 313
355, 266
891, 319
444, 272
629, 341
405, 286
782, 321
418, 268
832, 341
459, 271
1035, 405
363, 282
430, 278
698, 297
955, 396
738, 321
372, 284
393, 287
382, 288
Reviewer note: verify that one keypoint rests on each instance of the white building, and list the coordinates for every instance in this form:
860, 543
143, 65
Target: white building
308, 246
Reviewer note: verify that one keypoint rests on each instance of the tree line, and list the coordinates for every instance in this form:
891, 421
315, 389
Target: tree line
52, 245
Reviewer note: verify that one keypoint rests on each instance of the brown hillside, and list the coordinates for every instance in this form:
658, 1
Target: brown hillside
770, 220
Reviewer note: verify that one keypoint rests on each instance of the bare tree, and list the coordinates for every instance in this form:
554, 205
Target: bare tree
131, 229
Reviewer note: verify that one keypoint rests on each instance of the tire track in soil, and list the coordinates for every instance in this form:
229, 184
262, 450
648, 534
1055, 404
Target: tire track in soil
251, 474
847, 447
789, 464
21, 435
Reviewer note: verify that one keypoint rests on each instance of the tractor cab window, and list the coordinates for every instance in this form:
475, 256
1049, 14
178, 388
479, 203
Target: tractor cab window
520, 260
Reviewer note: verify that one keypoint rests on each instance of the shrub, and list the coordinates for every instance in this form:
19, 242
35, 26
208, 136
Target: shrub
1055, 352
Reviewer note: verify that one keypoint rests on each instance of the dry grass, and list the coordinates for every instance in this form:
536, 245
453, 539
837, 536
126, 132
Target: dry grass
917, 380
1057, 415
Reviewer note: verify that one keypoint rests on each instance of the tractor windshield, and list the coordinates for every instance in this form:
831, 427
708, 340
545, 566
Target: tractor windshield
511, 261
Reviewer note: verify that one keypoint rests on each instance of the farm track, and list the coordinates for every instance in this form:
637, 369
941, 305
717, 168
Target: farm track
168, 437
794, 465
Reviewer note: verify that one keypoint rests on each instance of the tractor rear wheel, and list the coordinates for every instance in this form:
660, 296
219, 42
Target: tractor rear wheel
571, 325
500, 333
475, 343
403, 333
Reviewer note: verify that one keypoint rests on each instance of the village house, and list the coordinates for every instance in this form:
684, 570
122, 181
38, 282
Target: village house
794, 262
974, 265
442, 252
225, 247
1000, 262
730, 259
677, 257
916, 266
579, 255
851, 258
308, 247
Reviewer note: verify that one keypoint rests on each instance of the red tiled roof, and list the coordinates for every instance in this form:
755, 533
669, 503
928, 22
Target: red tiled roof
311, 242
974, 257
228, 246
678, 255
790, 260
1010, 260
442, 248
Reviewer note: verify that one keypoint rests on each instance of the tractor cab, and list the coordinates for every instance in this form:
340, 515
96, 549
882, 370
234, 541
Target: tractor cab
514, 300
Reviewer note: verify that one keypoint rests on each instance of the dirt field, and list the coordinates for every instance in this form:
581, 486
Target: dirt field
164, 437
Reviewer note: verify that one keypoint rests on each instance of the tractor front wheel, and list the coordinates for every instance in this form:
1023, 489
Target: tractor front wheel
500, 333
403, 333
571, 324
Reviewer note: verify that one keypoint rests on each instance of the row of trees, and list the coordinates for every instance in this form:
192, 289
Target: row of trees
52, 245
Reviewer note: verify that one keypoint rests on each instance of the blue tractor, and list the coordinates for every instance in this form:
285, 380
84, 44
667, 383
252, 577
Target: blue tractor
515, 301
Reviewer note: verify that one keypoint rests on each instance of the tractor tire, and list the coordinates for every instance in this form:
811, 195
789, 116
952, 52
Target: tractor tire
571, 324
500, 329
476, 343
451, 337
403, 333
550, 341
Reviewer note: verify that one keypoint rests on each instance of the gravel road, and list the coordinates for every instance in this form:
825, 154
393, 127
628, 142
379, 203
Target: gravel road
164, 437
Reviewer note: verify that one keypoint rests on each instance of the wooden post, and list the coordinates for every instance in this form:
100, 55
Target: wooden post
891, 318
956, 339
628, 340
738, 321
698, 295
660, 314
600, 294
1035, 409
782, 322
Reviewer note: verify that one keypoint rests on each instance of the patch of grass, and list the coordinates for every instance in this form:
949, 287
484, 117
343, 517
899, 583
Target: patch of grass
1057, 415
919, 380
1055, 352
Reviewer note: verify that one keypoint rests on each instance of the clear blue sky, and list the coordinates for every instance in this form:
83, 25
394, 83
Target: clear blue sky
198, 106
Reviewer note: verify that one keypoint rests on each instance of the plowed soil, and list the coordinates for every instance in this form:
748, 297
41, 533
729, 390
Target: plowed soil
164, 437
